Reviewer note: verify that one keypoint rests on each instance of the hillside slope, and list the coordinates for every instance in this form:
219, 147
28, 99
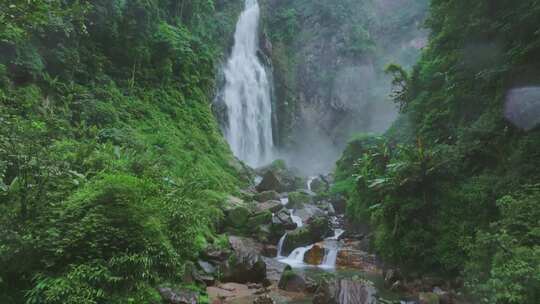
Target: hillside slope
452, 189
111, 162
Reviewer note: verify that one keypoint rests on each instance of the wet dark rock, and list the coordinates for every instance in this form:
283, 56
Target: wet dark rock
391, 276
345, 291
181, 296
290, 281
309, 212
270, 182
206, 267
274, 269
339, 202
283, 218
267, 196
313, 232
319, 185
246, 264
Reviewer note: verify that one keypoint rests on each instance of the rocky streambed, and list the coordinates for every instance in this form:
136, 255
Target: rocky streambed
289, 244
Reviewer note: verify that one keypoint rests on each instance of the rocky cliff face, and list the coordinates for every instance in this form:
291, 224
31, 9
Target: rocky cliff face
328, 61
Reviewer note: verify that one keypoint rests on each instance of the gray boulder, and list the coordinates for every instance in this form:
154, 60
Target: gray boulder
246, 264
290, 281
314, 232
269, 182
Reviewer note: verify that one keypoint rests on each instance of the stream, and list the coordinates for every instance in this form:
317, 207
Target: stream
332, 245
248, 130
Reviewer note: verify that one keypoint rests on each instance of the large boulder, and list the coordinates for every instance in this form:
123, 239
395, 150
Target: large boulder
309, 212
291, 281
314, 232
289, 180
236, 212
315, 255
319, 184
181, 296
270, 182
246, 264
274, 269
345, 291
283, 218
339, 202
237, 217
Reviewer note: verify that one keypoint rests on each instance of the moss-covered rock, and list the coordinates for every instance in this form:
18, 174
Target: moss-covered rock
314, 232
238, 216
291, 281
262, 218
298, 199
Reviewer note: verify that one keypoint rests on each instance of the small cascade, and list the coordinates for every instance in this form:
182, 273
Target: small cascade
280, 245
284, 200
330, 256
337, 233
309, 181
296, 258
296, 219
331, 247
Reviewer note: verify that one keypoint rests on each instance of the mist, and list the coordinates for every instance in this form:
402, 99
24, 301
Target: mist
336, 78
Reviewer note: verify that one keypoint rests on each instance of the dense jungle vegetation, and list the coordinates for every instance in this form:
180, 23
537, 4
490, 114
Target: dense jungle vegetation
453, 187
113, 168
111, 162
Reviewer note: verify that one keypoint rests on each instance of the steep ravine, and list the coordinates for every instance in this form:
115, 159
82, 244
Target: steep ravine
328, 63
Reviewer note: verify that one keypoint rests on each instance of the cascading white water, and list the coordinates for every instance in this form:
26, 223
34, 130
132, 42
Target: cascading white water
296, 219
296, 258
309, 181
247, 94
280, 245
331, 248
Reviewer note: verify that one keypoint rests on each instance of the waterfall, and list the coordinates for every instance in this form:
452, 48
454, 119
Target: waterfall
309, 182
280, 245
331, 249
296, 219
247, 94
296, 258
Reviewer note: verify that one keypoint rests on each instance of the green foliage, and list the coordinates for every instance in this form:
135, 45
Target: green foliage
112, 166
453, 188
